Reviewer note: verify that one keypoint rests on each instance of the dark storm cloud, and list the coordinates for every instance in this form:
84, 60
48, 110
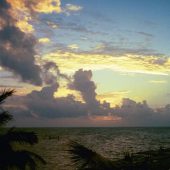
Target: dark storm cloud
140, 114
51, 72
82, 82
134, 113
44, 104
17, 48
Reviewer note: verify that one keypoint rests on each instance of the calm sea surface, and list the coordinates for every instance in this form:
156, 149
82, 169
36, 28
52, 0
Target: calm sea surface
110, 142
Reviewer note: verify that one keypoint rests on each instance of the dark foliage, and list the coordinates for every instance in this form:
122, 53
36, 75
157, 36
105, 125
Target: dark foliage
4, 117
87, 159
10, 156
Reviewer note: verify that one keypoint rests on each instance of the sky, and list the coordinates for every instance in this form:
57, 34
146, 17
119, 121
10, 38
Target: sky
86, 63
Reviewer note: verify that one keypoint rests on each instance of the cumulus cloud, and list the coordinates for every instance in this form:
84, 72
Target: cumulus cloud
82, 82
141, 114
51, 73
17, 48
43, 104
134, 113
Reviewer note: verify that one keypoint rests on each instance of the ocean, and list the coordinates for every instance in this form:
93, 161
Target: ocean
109, 142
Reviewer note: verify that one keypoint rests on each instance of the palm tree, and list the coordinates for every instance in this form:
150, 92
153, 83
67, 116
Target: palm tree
10, 157
87, 159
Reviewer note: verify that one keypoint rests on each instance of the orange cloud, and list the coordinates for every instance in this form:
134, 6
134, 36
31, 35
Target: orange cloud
105, 118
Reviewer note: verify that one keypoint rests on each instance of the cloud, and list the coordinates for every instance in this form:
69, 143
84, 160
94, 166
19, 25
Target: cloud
63, 91
24, 12
140, 114
44, 104
73, 46
134, 113
60, 23
107, 48
44, 40
27, 12
51, 73
17, 48
160, 61
82, 82
114, 98
158, 81
72, 8
69, 62
145, 34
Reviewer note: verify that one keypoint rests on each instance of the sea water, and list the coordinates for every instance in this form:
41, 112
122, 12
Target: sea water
110, 142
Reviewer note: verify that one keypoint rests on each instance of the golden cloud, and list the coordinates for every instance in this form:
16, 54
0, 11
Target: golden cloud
44, 40
68, 62
158, 81
71, 7
114, 98
24, 25
64, 92
23, 11
48, 6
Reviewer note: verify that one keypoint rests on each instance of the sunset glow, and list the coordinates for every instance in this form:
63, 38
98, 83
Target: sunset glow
99, 61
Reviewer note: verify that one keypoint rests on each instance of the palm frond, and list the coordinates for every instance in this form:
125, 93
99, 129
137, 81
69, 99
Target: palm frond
6, 93
21, 137
86, 158
5, 117
21, 160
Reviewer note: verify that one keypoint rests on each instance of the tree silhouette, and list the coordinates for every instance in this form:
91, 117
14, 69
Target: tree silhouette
10, 156
87, 159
